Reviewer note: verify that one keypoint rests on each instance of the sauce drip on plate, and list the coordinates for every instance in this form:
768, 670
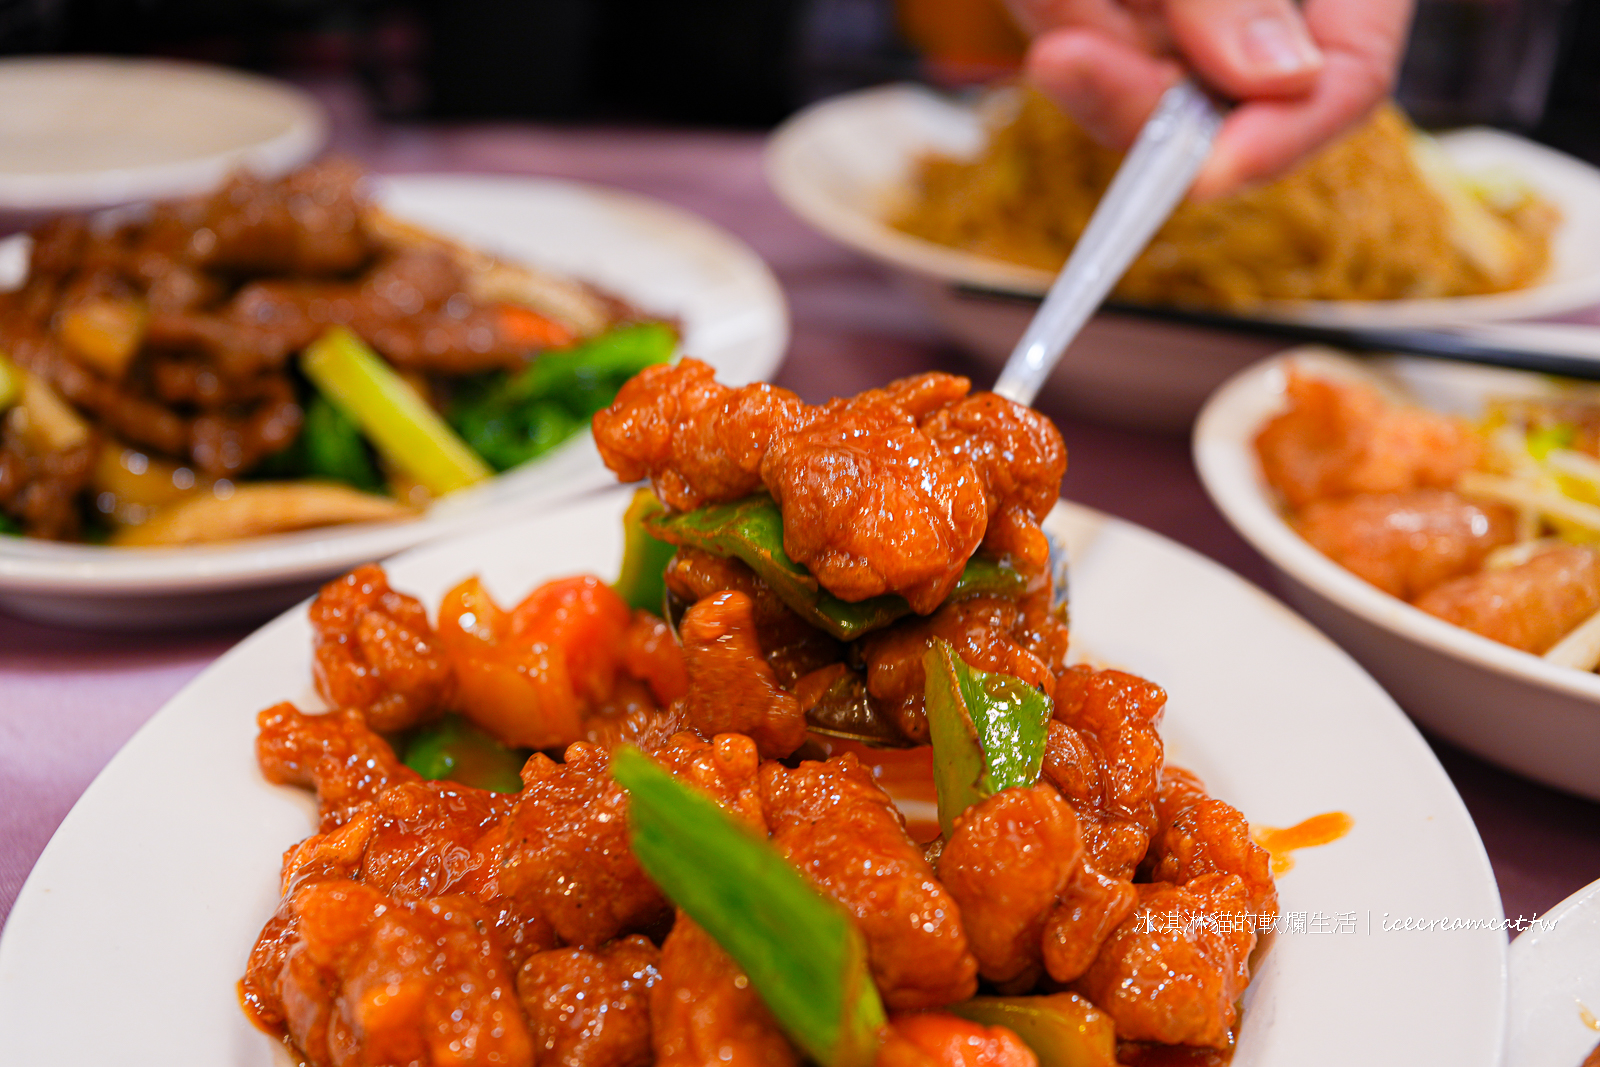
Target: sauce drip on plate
1318, 830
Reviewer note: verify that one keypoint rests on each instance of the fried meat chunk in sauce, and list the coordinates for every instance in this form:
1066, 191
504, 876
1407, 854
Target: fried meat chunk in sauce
336, 754
1341, 438
567, 854
938, 1039
727, 769
360, 978
1203, 835
1008, 860
1172, 971
591, 1008
731, 687
1407, 543
833, 822
890, 491
374, 650
793, 647
697, 440
1530, 606
1104, 754
872, 505
1023, 638
704, 1011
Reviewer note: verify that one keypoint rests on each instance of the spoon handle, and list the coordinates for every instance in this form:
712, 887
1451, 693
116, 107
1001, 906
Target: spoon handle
1155, 175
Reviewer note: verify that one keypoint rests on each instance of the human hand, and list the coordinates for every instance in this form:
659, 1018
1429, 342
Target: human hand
1299, 76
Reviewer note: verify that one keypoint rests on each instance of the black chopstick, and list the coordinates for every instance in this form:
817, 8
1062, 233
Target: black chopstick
1432, 344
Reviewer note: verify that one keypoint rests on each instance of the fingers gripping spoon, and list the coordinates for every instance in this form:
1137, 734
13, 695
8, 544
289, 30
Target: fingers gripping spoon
1153, 178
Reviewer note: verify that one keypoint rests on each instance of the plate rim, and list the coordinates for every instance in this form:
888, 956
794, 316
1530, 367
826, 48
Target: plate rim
867, 234
30, 567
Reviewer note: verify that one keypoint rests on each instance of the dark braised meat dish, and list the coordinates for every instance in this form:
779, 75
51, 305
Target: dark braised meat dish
1105, 889
155, 352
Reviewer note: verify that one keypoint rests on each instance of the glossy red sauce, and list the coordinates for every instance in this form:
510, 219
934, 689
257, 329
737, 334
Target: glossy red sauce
1321, 829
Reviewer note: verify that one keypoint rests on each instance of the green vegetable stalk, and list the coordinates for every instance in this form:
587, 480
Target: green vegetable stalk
510, 419
800, 950
988, 731
1063, 1030
642, 582
751, 530
10, 382
400, 424
455, 749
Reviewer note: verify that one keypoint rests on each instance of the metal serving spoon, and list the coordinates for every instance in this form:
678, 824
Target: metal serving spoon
1154, 176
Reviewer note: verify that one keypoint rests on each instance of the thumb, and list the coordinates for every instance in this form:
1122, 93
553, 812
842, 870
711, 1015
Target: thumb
1247, 49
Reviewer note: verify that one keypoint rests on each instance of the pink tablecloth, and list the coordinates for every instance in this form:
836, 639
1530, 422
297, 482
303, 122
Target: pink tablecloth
69, 700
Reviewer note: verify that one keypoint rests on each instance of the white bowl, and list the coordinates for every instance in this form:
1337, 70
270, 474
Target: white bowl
1510, 707
83, 132
659, 257
842, 164
1555, 985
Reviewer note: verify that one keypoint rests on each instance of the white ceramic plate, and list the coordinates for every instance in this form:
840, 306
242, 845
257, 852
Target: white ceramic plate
662, 259
843, 163
146, 902
1555, 985
81, 132
1510, 707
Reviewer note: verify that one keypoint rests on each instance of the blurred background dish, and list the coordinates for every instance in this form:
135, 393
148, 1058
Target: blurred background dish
847, 165
1555, 986
1510, 707
85, 132
732, 314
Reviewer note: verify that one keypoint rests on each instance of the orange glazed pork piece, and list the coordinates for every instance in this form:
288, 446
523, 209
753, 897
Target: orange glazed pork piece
1339, 438
1530, 606
1105, 756
362, 979
936, 1039
890, 491
1201, 835
833, 822
374, 650
873, 505
567, 855
336, 754
1175, 967
1407, 543
705, 1012
591, 1009
1008, 860
731, 687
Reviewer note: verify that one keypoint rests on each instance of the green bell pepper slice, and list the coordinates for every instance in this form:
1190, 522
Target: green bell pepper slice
454, 748
751, 530
1062, 1029
988, 731
801, 951
642, 582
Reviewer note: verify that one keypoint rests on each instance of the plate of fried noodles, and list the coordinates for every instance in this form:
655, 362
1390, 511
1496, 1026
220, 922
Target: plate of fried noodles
974, 204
